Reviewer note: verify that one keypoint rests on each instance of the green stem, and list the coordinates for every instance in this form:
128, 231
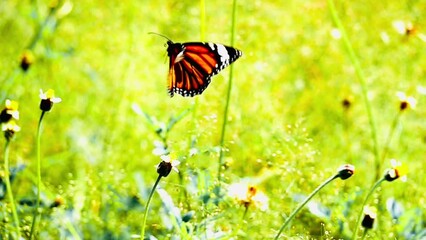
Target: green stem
364, 234
303, 204
37, 212
245, 212
39, 32
363, 205
388, 139
228, 97
145, 214
361, 78
9, 189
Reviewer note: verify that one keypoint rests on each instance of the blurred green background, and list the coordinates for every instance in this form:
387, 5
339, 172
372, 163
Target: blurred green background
287, 129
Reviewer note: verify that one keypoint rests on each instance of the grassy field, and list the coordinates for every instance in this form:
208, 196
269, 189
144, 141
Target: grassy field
308, 96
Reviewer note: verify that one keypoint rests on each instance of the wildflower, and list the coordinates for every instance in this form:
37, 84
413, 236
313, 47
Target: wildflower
398, 170
404, 28
406, 102
9, 129
345, 171
370, 214
48, 99
347, 102
27, 59
10, 111
247, 195
166, 166
59, 201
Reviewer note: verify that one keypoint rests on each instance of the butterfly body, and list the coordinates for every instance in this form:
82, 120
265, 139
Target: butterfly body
192, 65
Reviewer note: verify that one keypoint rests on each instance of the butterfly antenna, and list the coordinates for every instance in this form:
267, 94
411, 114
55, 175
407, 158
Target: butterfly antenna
161, 35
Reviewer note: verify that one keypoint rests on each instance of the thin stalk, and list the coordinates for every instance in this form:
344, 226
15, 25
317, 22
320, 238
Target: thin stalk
37, 212
389, 138
361, 79
228, 96
145, 214
245, 213
9, 189
362, 207
303, 204
364, 234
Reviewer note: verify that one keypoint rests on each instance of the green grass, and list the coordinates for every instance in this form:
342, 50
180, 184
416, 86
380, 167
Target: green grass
286, 131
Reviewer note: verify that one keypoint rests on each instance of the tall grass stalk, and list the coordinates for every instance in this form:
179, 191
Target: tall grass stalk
145, 214
9, 190
228, 97
390, 136
362, 81
303, 204
37, 212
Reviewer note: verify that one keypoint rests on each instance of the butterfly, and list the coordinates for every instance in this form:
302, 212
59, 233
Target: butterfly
192, 64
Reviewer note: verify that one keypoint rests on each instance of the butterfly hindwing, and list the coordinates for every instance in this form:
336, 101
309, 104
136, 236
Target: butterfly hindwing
193, 64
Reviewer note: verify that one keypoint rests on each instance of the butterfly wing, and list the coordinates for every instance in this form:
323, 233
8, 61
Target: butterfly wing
193, 64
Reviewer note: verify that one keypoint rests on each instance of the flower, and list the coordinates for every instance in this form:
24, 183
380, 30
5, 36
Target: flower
370, 214
48, 99
405, 101
347, 102
27, 59
9, 129
165, 167
10, 111
57, 202
404, 28
345, 171
247, 195
398, 170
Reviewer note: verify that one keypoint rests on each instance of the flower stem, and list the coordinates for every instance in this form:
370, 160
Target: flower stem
361, 80
389, 138
303, 204
362, 207
145, 214
228, 97
37, 212
364, 234
9, 189
245, 212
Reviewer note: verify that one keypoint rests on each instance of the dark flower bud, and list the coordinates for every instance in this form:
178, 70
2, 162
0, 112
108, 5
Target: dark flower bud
5, 116
369, 217
48, 99
346, 171
26, 60
398, 170
164, 168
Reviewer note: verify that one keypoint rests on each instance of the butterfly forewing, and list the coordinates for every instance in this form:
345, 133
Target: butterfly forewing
193, 64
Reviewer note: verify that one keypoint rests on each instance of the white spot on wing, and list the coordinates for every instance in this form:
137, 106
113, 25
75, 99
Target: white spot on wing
223, 53
179, 56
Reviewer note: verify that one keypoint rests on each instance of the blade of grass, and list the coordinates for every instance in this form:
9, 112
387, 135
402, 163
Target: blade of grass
37, 213
228, 96
9, 190
362, 82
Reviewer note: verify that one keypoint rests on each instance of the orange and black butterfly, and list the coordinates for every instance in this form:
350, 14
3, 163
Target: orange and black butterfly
192, 65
